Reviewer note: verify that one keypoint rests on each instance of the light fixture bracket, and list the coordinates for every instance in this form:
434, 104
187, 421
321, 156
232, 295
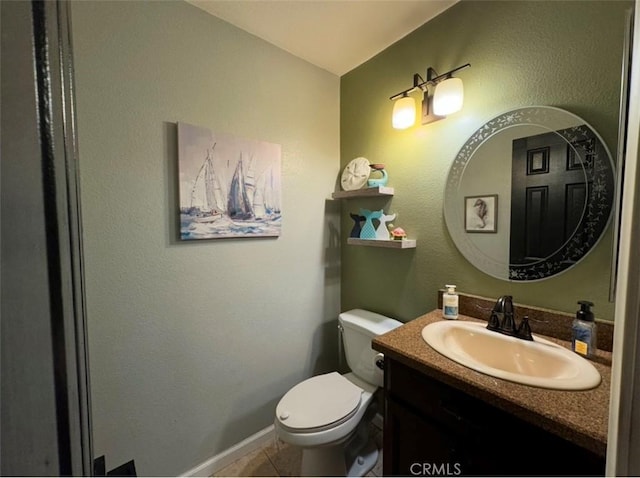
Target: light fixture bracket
427, 99
427, 109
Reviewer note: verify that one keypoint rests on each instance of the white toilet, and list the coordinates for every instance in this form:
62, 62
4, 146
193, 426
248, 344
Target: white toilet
328, 415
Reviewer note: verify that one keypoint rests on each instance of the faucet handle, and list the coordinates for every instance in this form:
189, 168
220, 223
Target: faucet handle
524, 331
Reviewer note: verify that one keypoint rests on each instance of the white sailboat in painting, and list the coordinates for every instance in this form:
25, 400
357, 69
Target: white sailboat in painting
251, 200
250, 177
207, 196
266, 199
259, 207
239, 204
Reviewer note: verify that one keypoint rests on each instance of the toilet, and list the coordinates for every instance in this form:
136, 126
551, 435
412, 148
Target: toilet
328, 415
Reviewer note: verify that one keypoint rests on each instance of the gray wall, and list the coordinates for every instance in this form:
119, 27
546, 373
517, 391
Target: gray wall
192, 344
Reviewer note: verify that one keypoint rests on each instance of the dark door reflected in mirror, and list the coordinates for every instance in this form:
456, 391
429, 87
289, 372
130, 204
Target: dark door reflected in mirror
554, 179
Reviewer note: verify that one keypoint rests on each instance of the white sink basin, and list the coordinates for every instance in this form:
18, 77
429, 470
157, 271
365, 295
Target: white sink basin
540, 363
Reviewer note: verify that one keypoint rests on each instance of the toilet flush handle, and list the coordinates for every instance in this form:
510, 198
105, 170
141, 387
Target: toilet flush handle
380, 361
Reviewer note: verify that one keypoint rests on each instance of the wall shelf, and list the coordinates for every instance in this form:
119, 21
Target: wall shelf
391, 244
378, 191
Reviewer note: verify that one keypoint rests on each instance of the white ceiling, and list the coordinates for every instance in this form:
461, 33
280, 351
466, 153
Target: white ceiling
336, 35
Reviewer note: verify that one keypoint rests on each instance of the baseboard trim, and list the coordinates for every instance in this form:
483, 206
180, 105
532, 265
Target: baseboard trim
219, 461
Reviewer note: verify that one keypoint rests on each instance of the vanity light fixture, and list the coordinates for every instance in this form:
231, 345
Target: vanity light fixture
442, 96
404, 112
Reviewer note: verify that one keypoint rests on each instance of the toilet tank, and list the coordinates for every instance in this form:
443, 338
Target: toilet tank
359, 327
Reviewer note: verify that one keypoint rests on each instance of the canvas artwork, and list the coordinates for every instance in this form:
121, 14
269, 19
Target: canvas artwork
229, 187
481, 213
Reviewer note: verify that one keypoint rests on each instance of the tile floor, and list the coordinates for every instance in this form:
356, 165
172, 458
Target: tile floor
280, 459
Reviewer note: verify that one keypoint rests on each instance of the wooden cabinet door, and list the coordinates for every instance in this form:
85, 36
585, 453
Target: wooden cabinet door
417, 446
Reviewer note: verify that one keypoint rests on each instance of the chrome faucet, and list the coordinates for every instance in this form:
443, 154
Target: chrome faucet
503, 320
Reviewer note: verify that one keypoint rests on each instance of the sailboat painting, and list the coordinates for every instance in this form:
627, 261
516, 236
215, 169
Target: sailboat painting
229, 187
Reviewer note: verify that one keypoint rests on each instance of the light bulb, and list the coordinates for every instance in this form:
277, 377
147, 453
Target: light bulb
404, 113
448, 97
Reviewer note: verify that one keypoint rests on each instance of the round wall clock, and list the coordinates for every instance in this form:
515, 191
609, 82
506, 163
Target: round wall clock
355, 174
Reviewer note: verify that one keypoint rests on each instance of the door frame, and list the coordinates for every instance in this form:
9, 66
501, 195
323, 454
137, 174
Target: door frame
624, 411
46, 409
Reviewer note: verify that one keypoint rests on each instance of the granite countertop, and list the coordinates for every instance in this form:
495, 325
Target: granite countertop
578, 416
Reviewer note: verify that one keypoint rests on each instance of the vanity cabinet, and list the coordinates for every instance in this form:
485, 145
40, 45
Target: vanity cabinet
433, 429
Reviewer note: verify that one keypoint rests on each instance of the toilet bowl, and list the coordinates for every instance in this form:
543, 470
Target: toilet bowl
328, 415
323, 410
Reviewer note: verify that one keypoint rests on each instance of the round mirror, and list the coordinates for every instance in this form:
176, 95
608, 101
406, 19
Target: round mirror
529, 194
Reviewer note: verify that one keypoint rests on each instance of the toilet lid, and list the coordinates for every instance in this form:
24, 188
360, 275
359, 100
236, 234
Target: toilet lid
318, 401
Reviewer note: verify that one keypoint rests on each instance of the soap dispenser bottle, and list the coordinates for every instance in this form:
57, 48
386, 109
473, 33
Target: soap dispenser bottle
450, 303
584, 331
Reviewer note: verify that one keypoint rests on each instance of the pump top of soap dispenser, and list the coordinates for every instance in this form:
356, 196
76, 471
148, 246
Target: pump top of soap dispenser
451, 289
585, 312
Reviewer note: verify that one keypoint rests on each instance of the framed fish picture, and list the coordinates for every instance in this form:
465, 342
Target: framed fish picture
229, 187
481, 213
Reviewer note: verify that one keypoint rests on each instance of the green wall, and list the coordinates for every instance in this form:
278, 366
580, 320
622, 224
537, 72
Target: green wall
522, 53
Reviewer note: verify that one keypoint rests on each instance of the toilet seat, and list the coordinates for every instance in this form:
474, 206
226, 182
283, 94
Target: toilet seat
319, 403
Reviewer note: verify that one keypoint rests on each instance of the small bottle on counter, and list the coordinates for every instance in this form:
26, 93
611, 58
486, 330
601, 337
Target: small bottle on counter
450, 303
584, 337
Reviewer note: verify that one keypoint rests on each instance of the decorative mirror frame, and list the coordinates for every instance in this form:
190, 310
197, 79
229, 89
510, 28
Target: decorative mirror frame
598, 209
